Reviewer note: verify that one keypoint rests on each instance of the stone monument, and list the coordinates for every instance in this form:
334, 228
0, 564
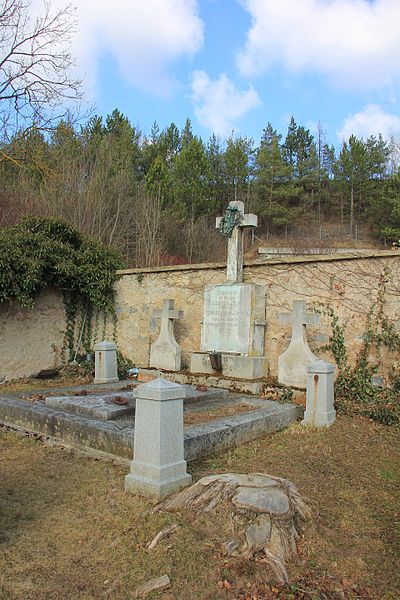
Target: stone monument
234, 312
165, 353
158, 467
293, 363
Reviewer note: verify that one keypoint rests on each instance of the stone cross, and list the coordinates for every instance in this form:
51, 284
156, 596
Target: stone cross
234, 267
293, 363
299, 318
165, 353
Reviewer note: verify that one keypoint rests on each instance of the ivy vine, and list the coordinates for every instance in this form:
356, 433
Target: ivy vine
355, 390
40, 252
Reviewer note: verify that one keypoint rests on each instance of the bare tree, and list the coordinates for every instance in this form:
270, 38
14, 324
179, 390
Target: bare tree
35, 65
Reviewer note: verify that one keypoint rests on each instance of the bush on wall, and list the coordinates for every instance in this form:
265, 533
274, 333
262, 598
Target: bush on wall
39, 252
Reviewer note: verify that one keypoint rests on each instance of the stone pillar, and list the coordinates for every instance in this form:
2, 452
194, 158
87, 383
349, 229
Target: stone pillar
105, 363
320, 410
158, 467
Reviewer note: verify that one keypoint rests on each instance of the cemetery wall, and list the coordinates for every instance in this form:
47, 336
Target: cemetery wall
31, 340
349, 285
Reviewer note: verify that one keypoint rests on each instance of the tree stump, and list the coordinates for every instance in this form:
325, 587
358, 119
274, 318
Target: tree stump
268, 514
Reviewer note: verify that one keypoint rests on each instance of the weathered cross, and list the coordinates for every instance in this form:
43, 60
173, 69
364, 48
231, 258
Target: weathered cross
234, 266
167, 315
299, 318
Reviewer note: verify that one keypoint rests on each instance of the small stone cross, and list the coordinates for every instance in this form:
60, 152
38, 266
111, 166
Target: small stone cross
165, 352
234, 266
293, 363
167, 315
299, 318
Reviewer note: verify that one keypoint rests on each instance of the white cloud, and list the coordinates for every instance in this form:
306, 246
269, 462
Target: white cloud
354, 42
372, 120
218, 104
143, 36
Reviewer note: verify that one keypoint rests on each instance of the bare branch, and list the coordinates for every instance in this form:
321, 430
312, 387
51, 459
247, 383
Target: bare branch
35, 64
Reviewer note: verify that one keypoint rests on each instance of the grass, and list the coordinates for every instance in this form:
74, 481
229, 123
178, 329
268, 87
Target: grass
194, 418
27, 384
68, 530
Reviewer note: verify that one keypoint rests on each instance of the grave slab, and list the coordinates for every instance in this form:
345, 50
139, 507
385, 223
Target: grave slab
114, 438
97, 407
234, 319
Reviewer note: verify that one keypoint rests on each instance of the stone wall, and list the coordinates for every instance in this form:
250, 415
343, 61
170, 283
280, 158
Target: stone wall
348, 284
31, 340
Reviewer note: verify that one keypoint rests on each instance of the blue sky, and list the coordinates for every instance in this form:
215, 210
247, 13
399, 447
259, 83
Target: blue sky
237, 64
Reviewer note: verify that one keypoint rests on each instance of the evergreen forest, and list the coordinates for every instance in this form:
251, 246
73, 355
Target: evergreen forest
154, 198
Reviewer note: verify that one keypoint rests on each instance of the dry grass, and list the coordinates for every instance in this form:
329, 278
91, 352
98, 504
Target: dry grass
68, 530
27, 384
194, 418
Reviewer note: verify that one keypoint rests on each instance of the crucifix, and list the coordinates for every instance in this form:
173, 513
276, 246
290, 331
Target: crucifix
235, 233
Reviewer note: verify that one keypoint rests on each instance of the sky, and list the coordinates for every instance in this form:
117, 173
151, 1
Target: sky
235, 65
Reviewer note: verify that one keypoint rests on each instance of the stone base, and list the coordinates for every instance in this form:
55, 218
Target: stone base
165, 355
241, 367
155, 489
111, 380
319, 419
293, 364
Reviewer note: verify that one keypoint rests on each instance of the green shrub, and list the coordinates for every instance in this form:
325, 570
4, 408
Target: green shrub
39, 252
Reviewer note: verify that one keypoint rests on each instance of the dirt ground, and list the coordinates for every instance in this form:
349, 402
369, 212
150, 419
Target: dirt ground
68, 530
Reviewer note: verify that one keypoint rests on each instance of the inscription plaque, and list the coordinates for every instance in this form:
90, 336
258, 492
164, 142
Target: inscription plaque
227, 318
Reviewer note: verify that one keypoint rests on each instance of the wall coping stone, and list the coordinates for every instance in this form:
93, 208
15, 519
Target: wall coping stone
265, 262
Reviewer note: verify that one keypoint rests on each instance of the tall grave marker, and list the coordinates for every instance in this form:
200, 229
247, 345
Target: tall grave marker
234, 312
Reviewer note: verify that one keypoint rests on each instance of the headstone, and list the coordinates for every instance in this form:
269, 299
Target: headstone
234, 312
293, 363
320, 411
105, 363
158, 467
234, 319
165, 353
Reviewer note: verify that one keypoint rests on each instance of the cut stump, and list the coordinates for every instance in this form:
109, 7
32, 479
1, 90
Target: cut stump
274, 509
